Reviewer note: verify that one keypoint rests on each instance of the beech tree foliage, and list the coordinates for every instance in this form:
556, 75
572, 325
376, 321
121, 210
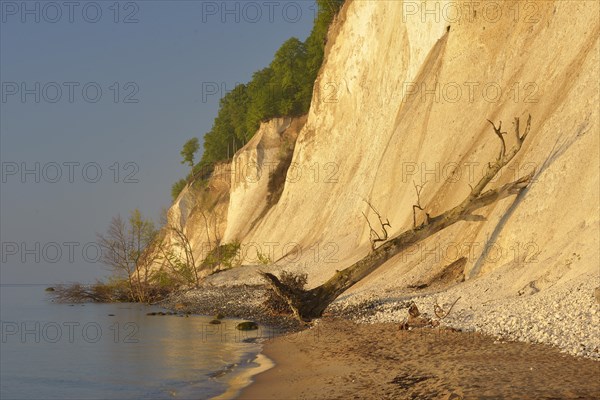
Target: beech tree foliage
284, 88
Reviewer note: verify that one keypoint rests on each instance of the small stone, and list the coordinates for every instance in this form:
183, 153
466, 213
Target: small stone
247, 326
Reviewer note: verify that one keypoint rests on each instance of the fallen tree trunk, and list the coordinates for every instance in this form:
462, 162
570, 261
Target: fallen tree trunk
310, 304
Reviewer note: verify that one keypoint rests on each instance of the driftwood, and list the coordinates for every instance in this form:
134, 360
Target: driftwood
310, 304
417, 320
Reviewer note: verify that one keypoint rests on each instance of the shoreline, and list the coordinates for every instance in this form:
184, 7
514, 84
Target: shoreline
240, 301
251, 363
245, 377
339, 358
357, 350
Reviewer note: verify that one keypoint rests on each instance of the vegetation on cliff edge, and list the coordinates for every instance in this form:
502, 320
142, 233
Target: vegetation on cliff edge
283, 89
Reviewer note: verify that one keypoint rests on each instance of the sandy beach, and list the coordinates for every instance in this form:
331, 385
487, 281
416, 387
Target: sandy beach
339, 359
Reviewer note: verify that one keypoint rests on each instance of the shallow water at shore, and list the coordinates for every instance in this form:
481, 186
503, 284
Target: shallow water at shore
116, 351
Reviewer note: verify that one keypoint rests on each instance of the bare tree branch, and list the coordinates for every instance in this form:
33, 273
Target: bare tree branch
418, 206
374, 237
500, 135
439, 311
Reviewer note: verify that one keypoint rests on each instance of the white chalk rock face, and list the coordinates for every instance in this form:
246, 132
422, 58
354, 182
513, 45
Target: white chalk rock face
251, 170
402, 99
371, 53
200, 213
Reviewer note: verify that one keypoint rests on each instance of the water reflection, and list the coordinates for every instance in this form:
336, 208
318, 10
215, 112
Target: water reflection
84, 352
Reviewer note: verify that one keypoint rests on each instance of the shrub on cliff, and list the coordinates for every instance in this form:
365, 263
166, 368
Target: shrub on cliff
222, 257
177, 188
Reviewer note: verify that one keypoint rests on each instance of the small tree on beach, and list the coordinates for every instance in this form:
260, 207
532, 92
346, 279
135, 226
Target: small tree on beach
129, 250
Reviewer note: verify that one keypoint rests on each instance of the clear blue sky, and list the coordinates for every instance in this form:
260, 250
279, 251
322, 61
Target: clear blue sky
162, 59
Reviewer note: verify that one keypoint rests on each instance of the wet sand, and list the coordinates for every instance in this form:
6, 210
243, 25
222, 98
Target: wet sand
338, 359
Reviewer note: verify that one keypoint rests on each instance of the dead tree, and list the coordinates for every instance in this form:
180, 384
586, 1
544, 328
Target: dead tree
419, 189
374, 237
310, 304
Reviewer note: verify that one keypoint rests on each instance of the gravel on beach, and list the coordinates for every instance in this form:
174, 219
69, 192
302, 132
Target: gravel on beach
235, 301
566, 317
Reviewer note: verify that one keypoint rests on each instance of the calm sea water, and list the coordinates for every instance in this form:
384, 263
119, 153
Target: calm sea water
63, 351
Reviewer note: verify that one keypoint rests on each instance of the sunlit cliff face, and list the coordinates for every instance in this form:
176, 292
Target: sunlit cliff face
402, 100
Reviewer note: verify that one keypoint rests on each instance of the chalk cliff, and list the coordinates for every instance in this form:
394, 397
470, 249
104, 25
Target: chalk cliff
402, 99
